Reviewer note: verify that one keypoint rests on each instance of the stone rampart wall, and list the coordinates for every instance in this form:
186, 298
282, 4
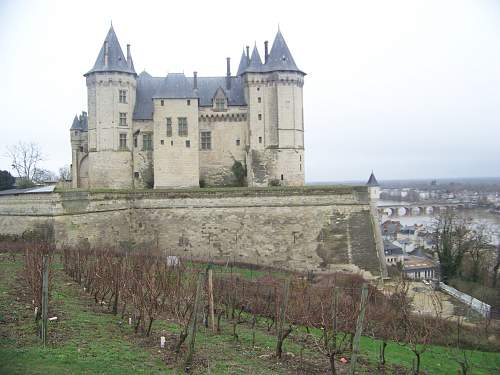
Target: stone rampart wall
319, 228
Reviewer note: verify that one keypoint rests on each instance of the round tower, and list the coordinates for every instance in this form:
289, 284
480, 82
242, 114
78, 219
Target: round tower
111, 89
373, 188
273, 91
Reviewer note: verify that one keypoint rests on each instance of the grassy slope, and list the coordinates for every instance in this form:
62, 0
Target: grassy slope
84, 341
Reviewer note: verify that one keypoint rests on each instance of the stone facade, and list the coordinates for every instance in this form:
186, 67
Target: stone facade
254, 117
322, 229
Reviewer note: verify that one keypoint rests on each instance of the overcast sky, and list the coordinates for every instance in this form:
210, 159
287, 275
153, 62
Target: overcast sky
408, 88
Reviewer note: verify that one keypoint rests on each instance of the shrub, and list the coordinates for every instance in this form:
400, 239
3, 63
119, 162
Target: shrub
274, 182
239, 172
148, 175
6, 180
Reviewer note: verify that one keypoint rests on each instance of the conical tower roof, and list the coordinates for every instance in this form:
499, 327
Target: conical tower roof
280, 57
372, 181
255, 62
243, 63
116, 60
76, 124
131, 64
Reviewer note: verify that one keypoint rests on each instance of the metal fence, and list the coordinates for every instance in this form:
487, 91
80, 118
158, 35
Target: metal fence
482, 308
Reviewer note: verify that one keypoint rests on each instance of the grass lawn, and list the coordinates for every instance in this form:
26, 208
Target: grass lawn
87, 340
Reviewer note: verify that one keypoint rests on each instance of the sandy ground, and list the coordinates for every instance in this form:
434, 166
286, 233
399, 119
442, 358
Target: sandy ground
425, 300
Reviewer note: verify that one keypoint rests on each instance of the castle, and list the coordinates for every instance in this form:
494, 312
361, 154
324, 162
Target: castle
178, 131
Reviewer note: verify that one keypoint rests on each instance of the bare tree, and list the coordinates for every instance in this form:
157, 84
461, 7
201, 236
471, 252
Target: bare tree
25, 158
65, 173
43, 175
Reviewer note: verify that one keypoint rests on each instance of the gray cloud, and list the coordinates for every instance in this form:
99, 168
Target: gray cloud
407, 88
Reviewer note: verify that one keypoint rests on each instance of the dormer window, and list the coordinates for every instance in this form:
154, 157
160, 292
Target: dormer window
220, 104
219, 100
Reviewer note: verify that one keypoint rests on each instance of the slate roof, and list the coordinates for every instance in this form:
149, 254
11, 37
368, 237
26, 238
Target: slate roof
116, 60
372, 181
391, 249
32, 190
255, 62
243, 63
146, 88
175, 86
80, 123
149, 87
279, 59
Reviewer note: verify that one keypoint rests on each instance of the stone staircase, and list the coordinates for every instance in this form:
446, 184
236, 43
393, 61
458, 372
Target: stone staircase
349, 240
364, 250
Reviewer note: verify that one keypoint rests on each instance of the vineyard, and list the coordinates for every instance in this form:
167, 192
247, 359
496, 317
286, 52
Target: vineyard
178, 305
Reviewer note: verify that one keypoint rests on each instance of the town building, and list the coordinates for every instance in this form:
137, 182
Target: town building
419, 268
179, 131
394, 254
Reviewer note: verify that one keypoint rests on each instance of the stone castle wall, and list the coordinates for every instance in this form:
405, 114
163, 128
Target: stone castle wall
299, 228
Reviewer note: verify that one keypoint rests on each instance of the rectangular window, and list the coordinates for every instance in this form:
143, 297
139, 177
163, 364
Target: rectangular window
162, 102
169, 126
147, 141
237, 142
259, 99
220, 104
188, 102
123, 96
188, 143
260, 116
123, 118
206, 140
260, 139
123, 141
162, 142
136, 174
135, 141
183, 126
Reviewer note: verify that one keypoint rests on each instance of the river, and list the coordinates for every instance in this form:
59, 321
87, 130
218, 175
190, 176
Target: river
478, 217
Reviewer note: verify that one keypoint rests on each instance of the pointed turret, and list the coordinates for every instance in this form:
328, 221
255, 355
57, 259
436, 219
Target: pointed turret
76, 124
111, 58
372, 181
243, 63
280, 57
255, 65
130, 62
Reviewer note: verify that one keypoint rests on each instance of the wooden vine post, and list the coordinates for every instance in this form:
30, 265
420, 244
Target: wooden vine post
359, 328
196, 307
211, 298
45, 297
281, 333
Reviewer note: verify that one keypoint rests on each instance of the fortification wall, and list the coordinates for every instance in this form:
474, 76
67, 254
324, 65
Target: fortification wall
300, 228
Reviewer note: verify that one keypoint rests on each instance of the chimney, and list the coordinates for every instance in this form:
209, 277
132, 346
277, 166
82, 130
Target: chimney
266, 51
195, 80
228, 73
106, 53
248, 54
129, 56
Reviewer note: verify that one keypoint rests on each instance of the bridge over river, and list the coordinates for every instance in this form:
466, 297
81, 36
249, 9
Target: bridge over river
394, 209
